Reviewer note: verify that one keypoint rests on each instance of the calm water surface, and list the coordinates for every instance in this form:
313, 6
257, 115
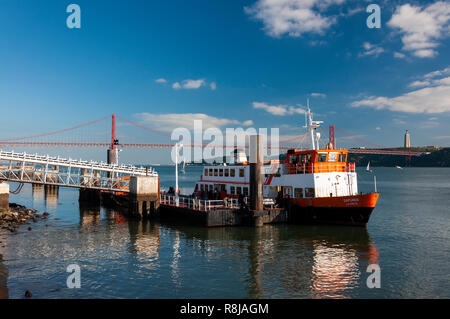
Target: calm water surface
407, 236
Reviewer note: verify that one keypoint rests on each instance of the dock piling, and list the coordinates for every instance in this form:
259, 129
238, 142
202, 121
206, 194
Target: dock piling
143, 196
256, 180
4, 196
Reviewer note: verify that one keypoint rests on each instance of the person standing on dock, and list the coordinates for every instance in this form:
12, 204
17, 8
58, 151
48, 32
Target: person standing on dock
241, 202
287, 201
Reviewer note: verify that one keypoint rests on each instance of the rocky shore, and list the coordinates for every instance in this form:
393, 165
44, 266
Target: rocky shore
18, 215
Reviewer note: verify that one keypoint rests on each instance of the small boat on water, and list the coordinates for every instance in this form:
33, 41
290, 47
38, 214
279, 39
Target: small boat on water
320, 184
183, 167
399, 167
368, 168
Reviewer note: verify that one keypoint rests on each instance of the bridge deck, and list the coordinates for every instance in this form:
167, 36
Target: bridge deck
37, 169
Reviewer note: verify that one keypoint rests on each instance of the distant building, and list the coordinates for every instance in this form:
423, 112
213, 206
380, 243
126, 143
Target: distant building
407, 140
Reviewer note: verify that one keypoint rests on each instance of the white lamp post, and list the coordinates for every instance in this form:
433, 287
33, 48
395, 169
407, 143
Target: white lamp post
177, 145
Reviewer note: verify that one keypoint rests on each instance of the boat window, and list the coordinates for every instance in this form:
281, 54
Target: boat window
293, 159
211, 188
210, 172
332, 157
206, 172
220, 172
309, 192
287, 190
298, 192
238, 190
226, 172
322, 157
245, 191
201, 187
232, 172
216, 172
232, 190
342, 157
241, 172
308, 158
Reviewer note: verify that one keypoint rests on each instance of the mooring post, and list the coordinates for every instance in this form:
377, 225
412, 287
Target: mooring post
143, 196
256, 180
4, 196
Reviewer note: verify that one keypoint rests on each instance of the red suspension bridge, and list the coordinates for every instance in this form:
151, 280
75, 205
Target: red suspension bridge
33, 141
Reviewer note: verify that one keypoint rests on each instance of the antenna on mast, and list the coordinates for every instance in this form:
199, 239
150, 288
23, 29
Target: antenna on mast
312, 126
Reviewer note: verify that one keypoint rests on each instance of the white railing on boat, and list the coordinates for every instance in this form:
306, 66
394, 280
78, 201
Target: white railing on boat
208, 204
198, 204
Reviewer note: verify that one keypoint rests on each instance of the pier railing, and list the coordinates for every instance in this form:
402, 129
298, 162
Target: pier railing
47, 170
319, 167
198, 204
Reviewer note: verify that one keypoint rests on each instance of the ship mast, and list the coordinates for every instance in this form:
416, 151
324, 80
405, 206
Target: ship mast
311, 126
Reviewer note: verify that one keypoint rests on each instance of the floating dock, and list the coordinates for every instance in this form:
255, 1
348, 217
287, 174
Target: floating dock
216, 213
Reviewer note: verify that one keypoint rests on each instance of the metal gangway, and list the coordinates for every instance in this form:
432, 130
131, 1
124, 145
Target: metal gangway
47, 170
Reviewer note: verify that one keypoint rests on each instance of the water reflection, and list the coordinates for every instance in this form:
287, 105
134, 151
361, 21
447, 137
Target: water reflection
291, 261
89, 215
3, 280
144, 240
51, 194
37, 193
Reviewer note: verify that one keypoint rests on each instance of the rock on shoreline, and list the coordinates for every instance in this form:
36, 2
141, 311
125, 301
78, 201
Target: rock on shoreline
18, 215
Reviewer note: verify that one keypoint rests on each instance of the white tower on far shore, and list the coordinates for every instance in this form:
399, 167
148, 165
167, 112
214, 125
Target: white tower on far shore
407, 140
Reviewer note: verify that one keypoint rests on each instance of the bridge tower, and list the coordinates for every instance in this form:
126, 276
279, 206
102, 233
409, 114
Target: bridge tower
112, 151
332, 141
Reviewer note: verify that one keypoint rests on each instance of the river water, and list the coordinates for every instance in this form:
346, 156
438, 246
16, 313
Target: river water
407, 235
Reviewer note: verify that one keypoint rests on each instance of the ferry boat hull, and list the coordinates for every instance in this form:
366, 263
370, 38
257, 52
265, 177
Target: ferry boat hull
346, 210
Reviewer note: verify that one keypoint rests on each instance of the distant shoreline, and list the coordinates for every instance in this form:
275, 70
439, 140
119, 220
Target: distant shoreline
434, 158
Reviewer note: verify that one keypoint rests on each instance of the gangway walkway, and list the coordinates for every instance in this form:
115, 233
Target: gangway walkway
46, 170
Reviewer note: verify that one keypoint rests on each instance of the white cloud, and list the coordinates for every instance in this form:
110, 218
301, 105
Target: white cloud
169, 122
189, 84
161, 80
378, 128
293, 17
399, 55
370, 49
422, 27
213, 86
432, 97
322, 95
193, 84
438, 73
416, 84
279, 110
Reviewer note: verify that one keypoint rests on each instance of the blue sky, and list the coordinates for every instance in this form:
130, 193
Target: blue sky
165, 63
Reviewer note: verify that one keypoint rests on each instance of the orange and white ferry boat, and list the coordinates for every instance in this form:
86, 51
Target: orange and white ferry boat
318, 185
